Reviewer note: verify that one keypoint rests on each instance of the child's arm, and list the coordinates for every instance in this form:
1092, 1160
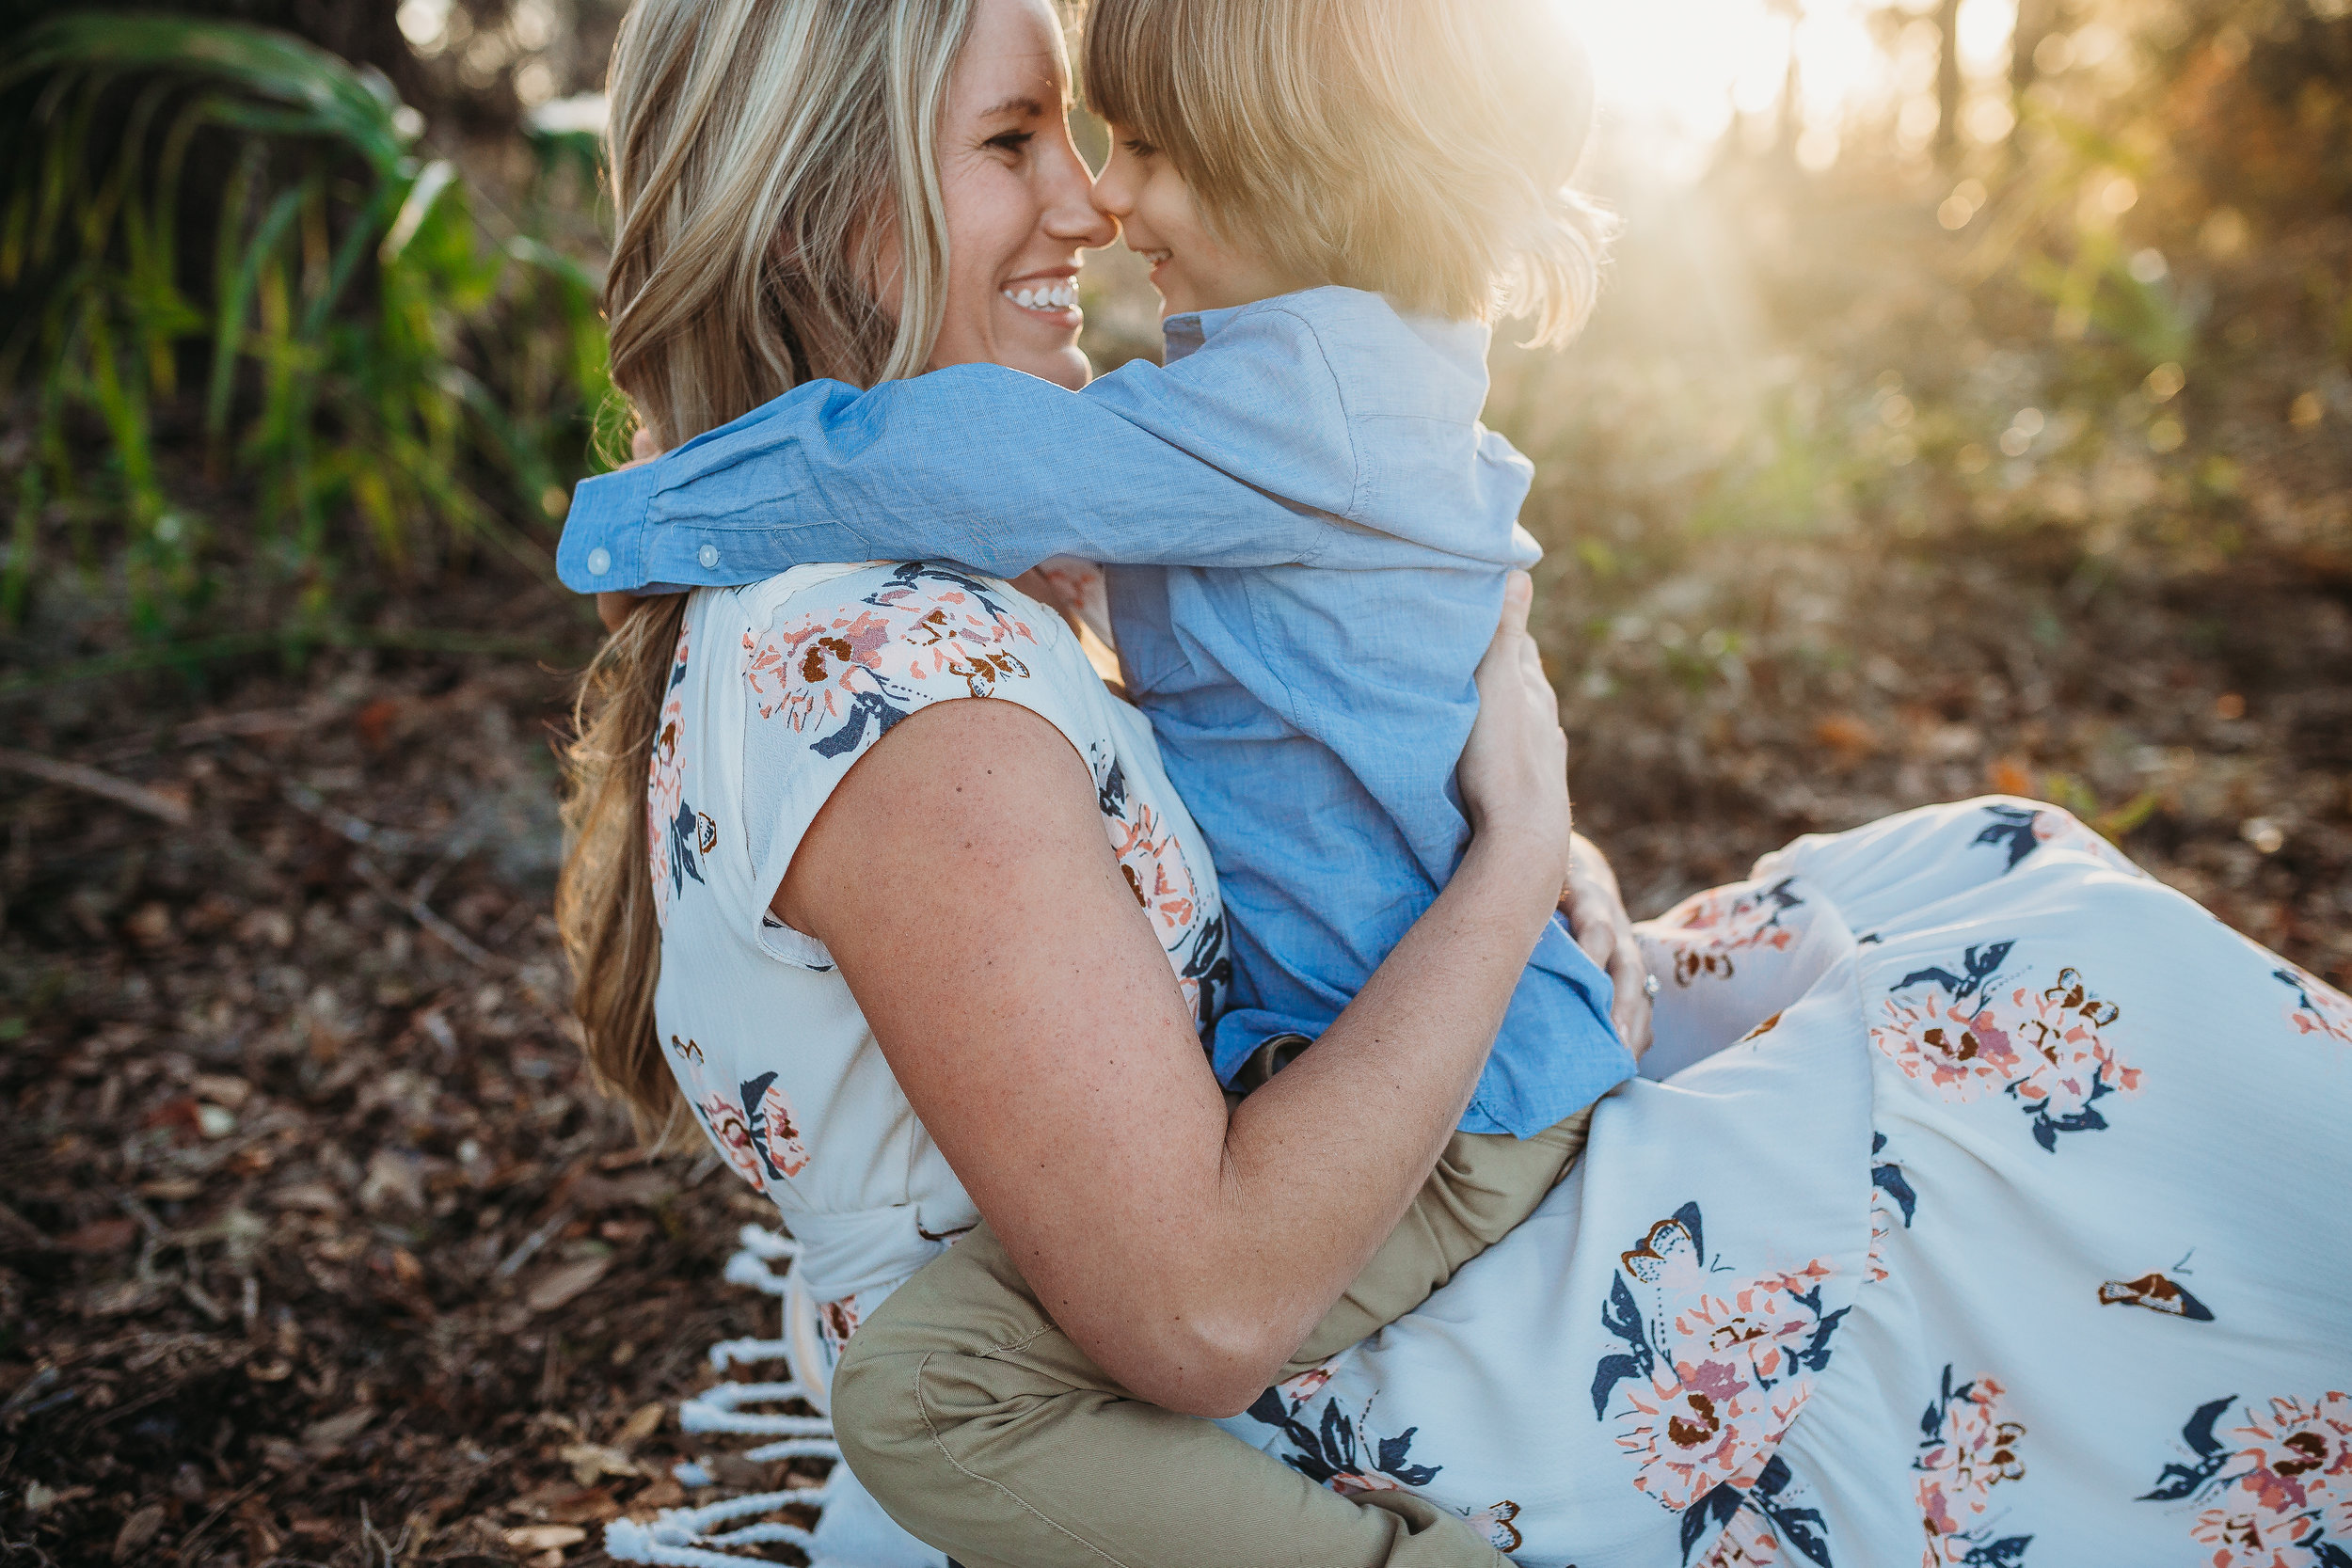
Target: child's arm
1241, 455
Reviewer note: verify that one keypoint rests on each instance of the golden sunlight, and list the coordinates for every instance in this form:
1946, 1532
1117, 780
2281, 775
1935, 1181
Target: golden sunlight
1677, 74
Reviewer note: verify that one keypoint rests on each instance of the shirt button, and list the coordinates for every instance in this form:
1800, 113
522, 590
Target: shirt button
599, 562
709, 556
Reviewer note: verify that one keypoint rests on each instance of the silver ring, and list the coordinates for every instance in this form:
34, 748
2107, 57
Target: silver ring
1649, 986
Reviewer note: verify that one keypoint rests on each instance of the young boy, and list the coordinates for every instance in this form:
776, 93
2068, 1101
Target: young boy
1307, 534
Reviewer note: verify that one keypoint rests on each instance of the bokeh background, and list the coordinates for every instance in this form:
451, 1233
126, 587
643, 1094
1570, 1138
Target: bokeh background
1970, 408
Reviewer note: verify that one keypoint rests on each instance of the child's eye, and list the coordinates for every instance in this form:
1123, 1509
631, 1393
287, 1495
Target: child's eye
1015, 142
1140, 148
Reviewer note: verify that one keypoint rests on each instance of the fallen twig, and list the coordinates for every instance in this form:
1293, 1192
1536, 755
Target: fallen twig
422, 912
90, 781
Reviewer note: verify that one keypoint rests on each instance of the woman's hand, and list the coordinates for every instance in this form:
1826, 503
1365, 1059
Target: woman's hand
1513, 772
1595, 912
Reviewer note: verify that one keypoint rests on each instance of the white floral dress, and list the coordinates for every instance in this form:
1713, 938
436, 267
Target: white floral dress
1997, 1212
775, 692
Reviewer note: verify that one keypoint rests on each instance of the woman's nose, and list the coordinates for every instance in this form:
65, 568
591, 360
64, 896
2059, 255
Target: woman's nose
1071, 212
1113, 193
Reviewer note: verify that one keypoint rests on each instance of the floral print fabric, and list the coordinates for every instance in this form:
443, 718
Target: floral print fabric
840, 676
2274, 1490
1994, 1219
775, 693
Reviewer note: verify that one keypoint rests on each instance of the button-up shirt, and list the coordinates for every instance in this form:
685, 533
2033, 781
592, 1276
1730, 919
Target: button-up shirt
1307, 532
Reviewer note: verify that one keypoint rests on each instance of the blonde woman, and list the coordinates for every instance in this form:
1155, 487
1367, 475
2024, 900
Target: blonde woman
910, 959
895, 966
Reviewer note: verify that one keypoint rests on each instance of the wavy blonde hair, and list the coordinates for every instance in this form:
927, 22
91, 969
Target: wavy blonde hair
1424, 150
776, 190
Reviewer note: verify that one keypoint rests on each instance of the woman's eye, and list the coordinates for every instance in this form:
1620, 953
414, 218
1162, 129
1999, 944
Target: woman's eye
1015, 142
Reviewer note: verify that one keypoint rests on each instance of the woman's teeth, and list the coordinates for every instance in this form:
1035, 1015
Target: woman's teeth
1155, 256
1059, 297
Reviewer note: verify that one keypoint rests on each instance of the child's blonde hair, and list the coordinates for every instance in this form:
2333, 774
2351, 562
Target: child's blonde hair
1417, 149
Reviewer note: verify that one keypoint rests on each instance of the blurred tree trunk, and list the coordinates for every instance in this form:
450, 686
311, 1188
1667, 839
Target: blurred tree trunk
1947, 83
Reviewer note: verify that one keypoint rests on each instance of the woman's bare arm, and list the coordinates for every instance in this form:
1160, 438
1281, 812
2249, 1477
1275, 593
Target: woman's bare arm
963, 880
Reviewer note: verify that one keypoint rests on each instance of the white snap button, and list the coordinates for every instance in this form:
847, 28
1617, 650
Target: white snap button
709, 556
599, 562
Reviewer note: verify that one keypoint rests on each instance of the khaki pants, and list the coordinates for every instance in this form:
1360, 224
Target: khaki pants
987, 1432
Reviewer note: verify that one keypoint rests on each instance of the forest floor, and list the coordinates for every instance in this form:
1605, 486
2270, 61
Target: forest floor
317, 1248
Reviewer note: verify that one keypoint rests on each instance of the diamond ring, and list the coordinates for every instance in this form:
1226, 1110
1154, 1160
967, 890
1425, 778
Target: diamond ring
1649, 986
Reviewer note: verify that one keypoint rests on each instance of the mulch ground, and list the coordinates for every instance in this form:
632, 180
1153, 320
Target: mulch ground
316, 1246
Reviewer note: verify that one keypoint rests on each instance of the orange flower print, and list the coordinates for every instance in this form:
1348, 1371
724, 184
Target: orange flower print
851, 674
1152, 859
779, 1138
1710, 929
2250, 1538
1154, 864
1747, 1542
2320, 1008
836, 1321
2044, 1047
1710, 1378
732, 1131
2278, 1489
1957, 1047
1969, 1449
1296, 1391
1707, 1428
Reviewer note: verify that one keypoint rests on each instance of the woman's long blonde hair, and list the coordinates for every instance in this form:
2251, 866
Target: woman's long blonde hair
776, 190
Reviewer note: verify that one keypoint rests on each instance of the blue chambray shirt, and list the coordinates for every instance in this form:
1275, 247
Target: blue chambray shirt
1307, 532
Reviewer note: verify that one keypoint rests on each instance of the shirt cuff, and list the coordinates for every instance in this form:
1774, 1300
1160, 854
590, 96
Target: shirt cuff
603, 547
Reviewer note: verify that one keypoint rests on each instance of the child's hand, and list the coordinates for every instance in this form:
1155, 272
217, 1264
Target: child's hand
1597, 916
612, 608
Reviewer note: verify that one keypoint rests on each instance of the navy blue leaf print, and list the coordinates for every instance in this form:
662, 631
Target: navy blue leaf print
1932, 1424
1622, 1317
1110, 795
1982, 963
1715, 1508
682, 859
1889, 1179
2046, 1126
1338, 1438
1323, 1455
2013, 828
1307, 1461
1394, 1452
2179, 1480
1815, 1355
851, 735
2332, 1555
2008, 1552
1210, 965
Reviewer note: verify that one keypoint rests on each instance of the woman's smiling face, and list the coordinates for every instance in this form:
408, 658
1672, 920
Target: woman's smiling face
1018, 200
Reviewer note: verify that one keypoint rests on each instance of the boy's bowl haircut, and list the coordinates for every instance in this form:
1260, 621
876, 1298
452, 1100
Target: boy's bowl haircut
1423, 150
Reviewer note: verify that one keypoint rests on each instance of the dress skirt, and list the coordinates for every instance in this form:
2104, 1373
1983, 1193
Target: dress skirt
1994, 1209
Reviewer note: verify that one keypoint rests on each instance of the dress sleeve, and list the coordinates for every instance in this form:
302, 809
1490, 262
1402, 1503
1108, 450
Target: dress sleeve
833, 670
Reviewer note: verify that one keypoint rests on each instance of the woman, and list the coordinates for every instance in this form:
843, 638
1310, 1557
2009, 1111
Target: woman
1818, 1297
929, 923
